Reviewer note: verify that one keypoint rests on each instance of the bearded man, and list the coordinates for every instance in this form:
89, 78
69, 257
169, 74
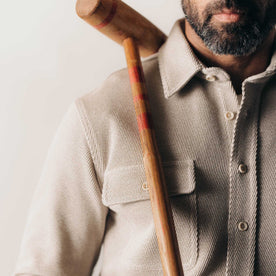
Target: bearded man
212, 91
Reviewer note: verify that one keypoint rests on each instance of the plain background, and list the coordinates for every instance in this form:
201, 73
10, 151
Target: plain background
48, 57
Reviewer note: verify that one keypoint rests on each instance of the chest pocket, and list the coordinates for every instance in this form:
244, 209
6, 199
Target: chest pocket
125, 193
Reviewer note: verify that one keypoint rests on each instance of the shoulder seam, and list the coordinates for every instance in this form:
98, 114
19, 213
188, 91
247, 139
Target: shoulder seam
91, 141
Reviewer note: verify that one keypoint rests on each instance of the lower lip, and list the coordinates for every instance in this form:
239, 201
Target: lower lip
227, 17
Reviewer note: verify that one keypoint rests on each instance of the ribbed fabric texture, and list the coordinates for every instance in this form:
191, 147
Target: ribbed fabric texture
92, 191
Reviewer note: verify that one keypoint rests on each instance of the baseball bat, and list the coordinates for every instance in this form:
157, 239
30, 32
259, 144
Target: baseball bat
140, 37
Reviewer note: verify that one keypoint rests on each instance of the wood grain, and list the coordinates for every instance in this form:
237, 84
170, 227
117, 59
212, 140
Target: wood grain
119, 21
162, 214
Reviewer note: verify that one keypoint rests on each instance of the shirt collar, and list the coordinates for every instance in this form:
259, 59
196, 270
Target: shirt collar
177, 62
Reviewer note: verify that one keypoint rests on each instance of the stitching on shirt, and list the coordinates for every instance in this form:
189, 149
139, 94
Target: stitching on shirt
83, 118
224, 106
193, 202
163, 75
144, 269
262, 79
258, 186
165, 164
234, 150
142, 196
199, 66
196, 65
256, 139
179, 85
231, 242
230, 223
197, 224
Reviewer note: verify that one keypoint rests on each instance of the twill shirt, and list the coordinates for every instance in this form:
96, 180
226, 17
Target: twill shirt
219, 160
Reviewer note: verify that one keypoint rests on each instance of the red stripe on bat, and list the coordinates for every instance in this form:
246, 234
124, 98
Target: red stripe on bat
143, 121
108, 19
138, 97
136, 74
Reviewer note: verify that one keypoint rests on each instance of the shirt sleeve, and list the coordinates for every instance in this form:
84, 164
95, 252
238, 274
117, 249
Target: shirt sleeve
66, 219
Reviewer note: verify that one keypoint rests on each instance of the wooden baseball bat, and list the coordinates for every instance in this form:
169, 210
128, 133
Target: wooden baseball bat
140, 37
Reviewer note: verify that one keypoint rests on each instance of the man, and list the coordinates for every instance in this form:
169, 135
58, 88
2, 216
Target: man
212, 94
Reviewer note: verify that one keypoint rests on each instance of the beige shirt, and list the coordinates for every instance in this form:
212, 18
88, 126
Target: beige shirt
219, 159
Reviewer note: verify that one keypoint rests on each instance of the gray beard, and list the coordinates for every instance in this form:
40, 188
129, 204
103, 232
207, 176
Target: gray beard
239, 41
235, 39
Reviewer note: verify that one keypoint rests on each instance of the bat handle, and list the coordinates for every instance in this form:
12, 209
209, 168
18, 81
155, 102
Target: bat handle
161, 208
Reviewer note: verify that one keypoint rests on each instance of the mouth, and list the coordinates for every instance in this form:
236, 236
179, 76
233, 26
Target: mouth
228, 16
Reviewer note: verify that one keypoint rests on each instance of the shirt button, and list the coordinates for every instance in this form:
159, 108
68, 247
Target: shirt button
211, 77
243, 226
145, 186
229, 115
242, 168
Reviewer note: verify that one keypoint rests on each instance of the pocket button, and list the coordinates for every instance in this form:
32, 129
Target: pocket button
145, 186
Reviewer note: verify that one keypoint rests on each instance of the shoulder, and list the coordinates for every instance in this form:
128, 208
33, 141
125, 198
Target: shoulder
112, 101
107, 113
116, 90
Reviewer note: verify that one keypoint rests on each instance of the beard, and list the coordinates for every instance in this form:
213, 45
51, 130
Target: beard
238, 38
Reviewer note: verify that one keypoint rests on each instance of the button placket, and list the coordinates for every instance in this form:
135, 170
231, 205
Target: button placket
229, 107
243, 190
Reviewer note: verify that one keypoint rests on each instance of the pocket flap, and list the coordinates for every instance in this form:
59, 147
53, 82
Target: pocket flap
127, 184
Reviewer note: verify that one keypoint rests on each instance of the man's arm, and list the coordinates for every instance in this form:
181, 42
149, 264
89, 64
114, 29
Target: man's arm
66, 220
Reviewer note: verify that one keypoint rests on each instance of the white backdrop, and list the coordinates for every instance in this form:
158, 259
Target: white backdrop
48, 57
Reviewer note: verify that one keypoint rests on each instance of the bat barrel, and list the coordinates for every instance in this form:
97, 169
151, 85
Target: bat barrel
119, 21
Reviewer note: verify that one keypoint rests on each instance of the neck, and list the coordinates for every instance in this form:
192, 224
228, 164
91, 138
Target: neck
238, 67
